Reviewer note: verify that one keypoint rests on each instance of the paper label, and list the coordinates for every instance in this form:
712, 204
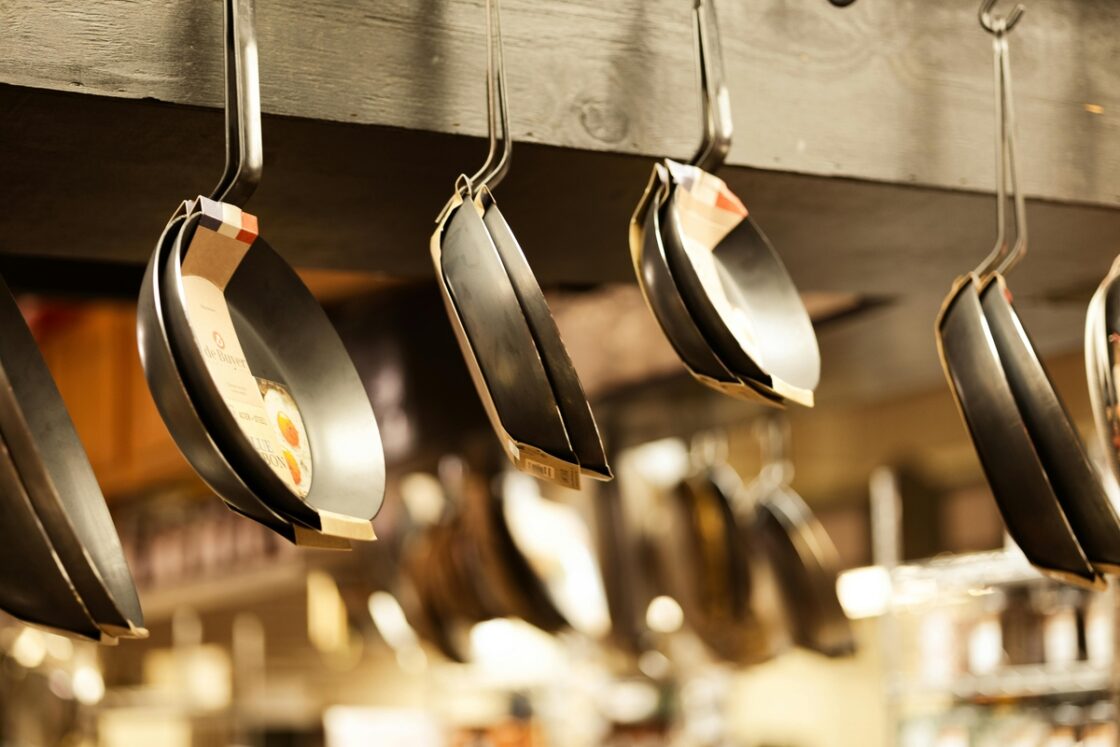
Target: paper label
708, 211
264, 409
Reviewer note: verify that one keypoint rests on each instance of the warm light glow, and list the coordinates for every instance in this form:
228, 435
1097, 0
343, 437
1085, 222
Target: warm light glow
1094, 108
660, 463
654, 664
87, 684
390, 620
59, 647
327, 627
422, 495
664, 615
30, 648
513, 653
864, 592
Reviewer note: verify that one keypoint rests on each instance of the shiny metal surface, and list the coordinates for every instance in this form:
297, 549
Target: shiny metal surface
53, 466
35, 586
174, 402
1025, 497
286, 337
1102, 334
1072, 477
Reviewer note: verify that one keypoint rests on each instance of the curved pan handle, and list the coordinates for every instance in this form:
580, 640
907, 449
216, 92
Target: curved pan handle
244, 149
715, 103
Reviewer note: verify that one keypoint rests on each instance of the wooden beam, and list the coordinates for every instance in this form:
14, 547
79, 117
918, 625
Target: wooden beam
94, 178
888, 91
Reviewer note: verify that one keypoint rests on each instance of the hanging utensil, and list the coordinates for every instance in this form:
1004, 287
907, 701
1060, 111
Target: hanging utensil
1089, 511
56, 472
35, 587
496, 338
730, 281
802, 554
712, 565
980, 376
579, 422
262, 364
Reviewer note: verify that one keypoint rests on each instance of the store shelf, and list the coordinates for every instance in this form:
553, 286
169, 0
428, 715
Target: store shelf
234, 590
1016, 683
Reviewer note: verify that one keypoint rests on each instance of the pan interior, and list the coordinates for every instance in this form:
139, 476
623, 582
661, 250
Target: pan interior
287, 338
736, 285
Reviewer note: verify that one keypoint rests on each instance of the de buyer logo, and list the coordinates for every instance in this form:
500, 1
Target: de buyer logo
219, 340
220, 354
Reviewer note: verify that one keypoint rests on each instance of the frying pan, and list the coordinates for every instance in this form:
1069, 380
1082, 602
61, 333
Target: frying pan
1001, 389
575, 411
1074, 480
801, 553
806, 564
53, 466
519, 589
1011, 463
648, 254
36, 587
492, 328
732, 281
1102, 331
287, 338
175, 406
286, 342
711, 564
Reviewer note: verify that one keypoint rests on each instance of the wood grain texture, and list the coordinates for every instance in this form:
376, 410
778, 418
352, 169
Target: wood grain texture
893, 91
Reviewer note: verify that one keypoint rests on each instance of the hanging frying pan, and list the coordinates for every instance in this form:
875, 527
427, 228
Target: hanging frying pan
981, 378
1102, 337
709, 562
519, 590
1079, 492
423, 600
262, 364
806, 564
579, 422
178, 412
801, 553
732, 281
647, 251
1074, 480
35, 586
494, 334
58, 477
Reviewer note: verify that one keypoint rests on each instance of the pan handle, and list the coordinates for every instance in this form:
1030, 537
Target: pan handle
715, 102
244, 151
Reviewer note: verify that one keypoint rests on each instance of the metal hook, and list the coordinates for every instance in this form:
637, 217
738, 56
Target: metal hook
1003, 257
715, 102
496, 165
994, 24
773, 434
244, 158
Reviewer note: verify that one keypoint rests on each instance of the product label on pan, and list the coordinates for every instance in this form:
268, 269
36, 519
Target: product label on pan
708, 211
265, 410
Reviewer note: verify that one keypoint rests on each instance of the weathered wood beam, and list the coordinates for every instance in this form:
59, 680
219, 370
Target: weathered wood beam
890, 91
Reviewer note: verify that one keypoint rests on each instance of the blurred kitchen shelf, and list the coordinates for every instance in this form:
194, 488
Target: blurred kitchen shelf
220, 591
1016, 683
929, 581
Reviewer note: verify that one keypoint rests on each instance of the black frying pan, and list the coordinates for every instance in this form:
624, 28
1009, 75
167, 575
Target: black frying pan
286, 338
35, 587
498, 346
54, 468
1074, 481
576, 413
732, 281
807, 565
174, 403
579, 422
1022, 490
648, 253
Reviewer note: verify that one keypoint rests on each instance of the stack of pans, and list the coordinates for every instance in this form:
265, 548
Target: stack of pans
710, 276
246, 369
62, 563
509, 340
1048, 492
